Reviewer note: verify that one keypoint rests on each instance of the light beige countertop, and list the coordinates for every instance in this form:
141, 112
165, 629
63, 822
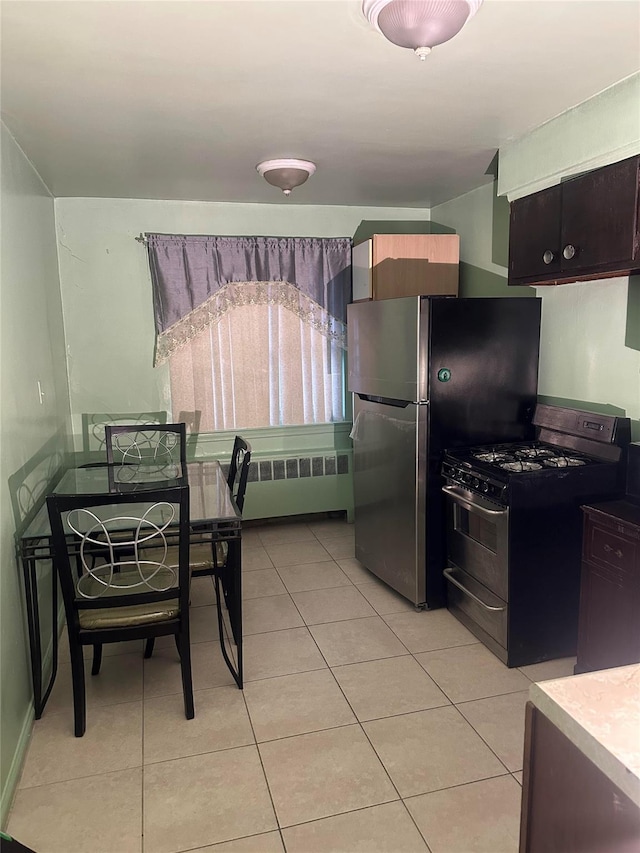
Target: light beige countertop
599, 712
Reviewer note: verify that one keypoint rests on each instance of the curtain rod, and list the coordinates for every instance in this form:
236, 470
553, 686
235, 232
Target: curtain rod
141, 239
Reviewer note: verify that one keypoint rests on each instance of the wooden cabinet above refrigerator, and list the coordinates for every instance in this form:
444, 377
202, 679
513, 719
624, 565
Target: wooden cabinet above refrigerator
587, 227
393, 265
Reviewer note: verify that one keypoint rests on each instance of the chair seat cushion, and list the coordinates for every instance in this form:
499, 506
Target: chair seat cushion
128, 617
133, 614
200, 555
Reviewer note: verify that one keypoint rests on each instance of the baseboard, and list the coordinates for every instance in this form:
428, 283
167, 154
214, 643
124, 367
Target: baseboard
11, 784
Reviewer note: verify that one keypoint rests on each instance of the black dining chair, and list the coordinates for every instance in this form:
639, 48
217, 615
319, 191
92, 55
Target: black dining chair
239, 470
213, 562
149, 444
125, 594
215, 559
203, 559
223, 557
93, 424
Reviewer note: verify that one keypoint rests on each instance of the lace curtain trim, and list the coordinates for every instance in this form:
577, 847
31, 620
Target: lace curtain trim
248, 293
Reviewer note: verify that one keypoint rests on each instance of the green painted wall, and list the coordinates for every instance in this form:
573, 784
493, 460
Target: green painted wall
602, 130
482, 222
590, 336
106, 290
590, 343
584, 355
34, 435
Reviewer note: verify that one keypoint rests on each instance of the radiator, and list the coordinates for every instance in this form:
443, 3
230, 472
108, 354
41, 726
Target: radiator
298, 485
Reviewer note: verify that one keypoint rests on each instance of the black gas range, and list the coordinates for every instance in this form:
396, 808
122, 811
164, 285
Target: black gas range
514, 529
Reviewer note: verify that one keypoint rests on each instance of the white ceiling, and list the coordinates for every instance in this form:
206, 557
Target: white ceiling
180, 99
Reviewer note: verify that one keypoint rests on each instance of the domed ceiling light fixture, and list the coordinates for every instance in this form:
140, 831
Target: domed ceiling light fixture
419, 24
286, 174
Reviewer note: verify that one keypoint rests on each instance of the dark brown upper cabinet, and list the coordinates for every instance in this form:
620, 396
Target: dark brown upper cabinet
584, 228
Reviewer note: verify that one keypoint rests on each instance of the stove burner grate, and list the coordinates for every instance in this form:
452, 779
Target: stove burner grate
521, 465
534, 453
564, 462
493, 456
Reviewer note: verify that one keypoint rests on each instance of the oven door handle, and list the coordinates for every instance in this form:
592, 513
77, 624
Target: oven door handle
449, 576
472, 506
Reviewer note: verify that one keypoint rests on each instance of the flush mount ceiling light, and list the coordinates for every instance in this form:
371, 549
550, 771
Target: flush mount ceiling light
286, 174
419, 24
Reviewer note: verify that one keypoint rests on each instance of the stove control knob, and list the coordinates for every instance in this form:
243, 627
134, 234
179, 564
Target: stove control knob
485, 487
475, 482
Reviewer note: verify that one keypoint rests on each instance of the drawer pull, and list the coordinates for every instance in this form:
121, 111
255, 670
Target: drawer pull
449, 576
609, 550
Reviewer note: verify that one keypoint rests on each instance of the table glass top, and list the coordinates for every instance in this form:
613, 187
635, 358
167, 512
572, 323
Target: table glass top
209, 497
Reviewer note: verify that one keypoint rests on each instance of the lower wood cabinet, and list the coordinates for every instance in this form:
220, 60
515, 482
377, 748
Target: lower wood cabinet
609, 616
568, 804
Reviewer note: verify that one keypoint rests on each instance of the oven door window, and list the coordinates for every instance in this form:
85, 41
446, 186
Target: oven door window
475, 527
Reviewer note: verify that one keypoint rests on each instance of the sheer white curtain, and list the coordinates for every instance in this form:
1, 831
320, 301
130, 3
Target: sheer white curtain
259, 365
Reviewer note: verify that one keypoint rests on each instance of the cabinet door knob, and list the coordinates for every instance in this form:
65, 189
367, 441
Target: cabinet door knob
609, 550
569, 252
548, 256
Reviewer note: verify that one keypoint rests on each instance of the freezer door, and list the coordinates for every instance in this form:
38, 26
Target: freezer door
483, 370
389, 492
387, 343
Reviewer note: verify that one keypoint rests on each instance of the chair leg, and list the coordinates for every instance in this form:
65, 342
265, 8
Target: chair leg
79, 699
148, 648
97, 658
184, 648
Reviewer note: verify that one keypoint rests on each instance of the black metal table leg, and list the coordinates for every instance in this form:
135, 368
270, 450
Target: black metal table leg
228, 582
33, 622
235, 613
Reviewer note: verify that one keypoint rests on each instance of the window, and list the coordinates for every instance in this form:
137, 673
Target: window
258, 366
253, 328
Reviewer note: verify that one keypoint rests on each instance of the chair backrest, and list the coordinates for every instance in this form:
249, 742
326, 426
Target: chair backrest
239, 470
111, 550
148, 444
93, 424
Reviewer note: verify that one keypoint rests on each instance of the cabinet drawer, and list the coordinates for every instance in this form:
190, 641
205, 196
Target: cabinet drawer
603, 545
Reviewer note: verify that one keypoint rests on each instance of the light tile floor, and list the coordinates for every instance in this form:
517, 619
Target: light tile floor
363, 726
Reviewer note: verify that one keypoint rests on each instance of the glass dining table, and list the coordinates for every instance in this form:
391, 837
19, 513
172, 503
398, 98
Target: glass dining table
214, 517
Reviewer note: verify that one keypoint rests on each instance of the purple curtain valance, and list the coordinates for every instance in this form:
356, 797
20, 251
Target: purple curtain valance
187, 271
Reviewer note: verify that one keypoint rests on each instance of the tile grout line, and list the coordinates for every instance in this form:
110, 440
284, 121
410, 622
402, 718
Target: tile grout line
331, 668
264, 772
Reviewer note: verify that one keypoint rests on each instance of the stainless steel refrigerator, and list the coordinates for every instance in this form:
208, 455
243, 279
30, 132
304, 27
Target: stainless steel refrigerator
429, 373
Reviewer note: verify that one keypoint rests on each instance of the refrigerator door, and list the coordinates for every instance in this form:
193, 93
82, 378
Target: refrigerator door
387, 343
389, 444
483, 370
